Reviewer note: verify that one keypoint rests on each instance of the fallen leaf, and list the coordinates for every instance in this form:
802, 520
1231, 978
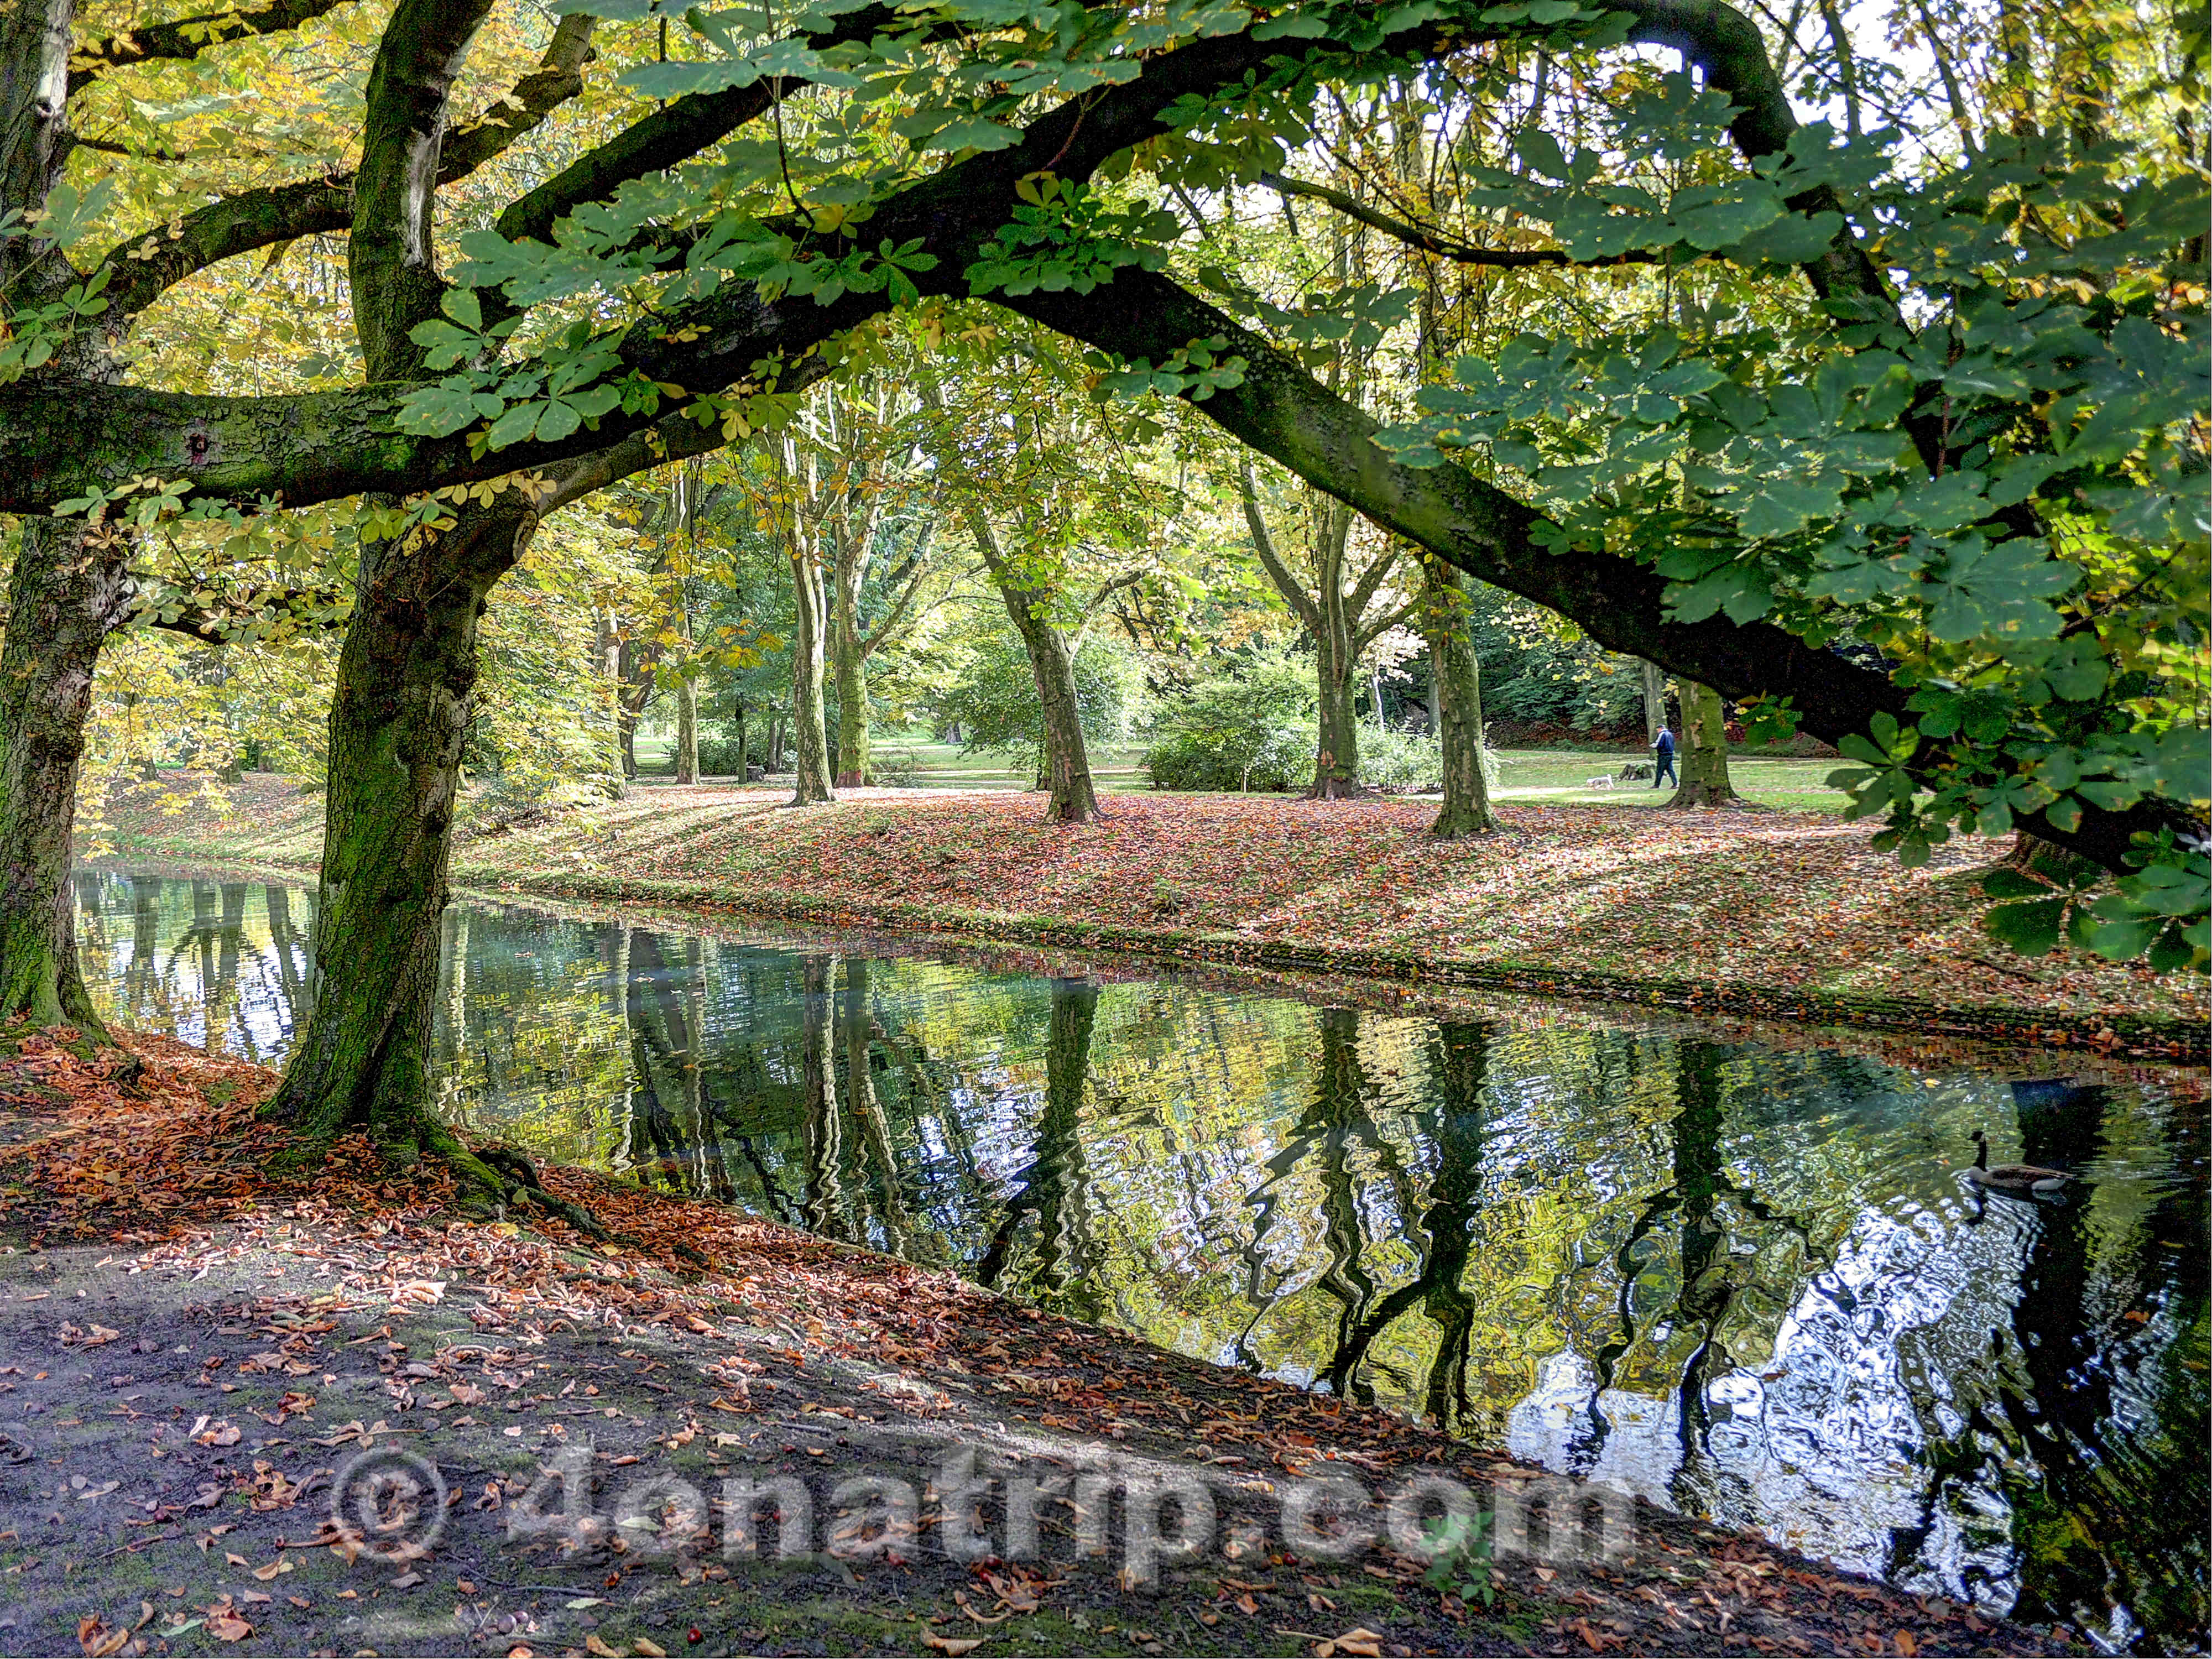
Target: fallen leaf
955, 1645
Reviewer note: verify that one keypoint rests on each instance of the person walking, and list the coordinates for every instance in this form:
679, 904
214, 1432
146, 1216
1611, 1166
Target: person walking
1664, 744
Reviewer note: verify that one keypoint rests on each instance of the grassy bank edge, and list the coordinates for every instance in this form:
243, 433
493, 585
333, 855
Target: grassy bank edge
2142, 1037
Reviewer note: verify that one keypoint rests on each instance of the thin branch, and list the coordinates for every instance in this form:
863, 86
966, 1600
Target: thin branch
1383, 624
149, 265
1447, 247
187, 37
1293, 590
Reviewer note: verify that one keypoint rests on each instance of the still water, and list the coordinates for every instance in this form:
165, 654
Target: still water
1743, 1281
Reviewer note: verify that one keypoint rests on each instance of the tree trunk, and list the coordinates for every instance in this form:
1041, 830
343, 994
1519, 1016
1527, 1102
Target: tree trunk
687, 732
1458, 687
620, 765
1655, 699
67, 592
1336, 757
808, 729
1705, 748
1073, 798
852, 703
738, 733
361, 1061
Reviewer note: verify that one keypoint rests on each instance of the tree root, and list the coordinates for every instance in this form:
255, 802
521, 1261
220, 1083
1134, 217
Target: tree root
527, 1189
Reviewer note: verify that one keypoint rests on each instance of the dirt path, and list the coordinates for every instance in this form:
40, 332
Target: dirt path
239, 1415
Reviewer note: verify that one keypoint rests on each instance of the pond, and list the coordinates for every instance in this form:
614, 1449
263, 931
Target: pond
1742, 1280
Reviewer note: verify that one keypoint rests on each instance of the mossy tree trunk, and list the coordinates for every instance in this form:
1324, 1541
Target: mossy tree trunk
67, 589
1704, 755
1458, 690
361, 1055
852, 671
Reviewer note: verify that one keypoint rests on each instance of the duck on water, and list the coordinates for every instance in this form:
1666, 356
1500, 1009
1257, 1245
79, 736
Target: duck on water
2031, 1179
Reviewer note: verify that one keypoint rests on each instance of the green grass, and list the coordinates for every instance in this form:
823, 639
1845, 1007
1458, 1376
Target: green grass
1530, 774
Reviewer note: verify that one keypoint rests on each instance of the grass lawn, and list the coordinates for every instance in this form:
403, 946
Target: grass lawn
1548, 775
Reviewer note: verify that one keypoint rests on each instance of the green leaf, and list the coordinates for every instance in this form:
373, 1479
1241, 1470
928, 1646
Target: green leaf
513, 427
2031, 930
972, 133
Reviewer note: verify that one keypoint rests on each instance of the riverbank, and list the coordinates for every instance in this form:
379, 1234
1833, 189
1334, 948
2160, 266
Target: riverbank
328, 1414
1783, 915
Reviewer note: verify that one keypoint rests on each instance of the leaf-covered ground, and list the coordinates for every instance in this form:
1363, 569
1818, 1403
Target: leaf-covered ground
1780, 902
196, 1353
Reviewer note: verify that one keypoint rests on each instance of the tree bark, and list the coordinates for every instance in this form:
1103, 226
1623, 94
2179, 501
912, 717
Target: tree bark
1705, 749
1336, 756
67, 591
852, 671
808, 729
1071, 796
1655, 699
686, 731
360, 1059
1458, 689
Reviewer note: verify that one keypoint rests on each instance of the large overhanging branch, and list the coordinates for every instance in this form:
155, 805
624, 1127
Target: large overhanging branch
1284, 413
59, 440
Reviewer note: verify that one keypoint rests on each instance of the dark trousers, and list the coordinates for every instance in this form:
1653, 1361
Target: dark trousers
1665, 770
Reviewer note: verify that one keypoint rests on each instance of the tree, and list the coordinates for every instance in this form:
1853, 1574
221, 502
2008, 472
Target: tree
2007, 522
1003, 451
1458, 692
1705, 780
1335, 604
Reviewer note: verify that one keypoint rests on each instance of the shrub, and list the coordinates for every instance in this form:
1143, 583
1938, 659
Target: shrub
717, 757
1280, 759
1250, 730
1399, 760
1409, 761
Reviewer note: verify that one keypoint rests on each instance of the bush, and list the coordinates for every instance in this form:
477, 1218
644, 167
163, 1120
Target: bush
996, 700
1282, 759
1251, 730
1399, 760
717, 757
1408, 762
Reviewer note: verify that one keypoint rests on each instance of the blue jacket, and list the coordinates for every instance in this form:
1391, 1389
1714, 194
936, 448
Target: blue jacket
1665, 744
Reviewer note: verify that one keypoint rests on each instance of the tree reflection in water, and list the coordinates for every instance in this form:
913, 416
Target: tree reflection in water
1746, 1281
